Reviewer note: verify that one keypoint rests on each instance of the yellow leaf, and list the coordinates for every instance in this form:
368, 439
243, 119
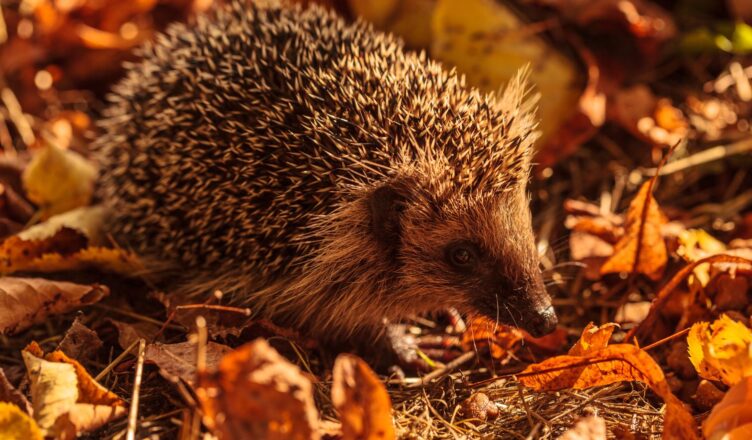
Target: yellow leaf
489, 43
61, 387
695, 244
721, 350
53, 390
16, 424
59, 180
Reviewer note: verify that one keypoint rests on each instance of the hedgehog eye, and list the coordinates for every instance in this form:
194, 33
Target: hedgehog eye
462, 255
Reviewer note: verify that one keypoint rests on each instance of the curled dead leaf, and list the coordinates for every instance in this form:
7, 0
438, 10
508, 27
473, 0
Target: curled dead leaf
731, 418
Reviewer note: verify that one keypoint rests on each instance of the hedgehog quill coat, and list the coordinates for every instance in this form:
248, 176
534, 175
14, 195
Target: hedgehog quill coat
318, 171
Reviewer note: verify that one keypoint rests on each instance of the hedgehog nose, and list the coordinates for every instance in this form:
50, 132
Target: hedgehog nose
543, 322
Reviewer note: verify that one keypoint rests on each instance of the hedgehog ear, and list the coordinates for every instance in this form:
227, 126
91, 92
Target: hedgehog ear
386, 204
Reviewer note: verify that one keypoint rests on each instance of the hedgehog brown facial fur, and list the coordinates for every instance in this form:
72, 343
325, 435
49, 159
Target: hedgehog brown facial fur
319, 173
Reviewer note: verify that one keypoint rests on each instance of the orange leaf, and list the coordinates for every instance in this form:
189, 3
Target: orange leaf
593, 338
664, 294
641, 249
361, 399
615, 363
501, 340
256, 393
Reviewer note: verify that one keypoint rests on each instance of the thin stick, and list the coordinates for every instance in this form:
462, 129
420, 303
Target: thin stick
115, 362
201, 344
133, 414
667, 338
449, 367
702, 157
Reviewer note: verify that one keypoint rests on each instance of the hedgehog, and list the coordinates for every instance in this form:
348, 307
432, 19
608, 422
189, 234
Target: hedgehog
319, 172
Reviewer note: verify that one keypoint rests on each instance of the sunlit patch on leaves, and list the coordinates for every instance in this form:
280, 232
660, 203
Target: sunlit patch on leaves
721, 350
607, 365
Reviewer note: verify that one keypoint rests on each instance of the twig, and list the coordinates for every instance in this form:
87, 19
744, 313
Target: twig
17, 116
702, 157
133, 414
449, 367
116, 361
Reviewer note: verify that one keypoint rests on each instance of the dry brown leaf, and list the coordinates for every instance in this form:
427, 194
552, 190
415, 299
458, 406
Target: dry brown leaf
731, 418
256, 393
80, 342
614, 363
641, 249
28, 301
361, 399
17, 425
501, 340
179, 360
8, 393
130, 332
665, 294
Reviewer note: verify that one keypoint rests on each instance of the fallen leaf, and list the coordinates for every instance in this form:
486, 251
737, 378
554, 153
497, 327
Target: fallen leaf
607, 365
632, 312
256, 393
179, 360
8, 393
501, 340
641, 249
61, 387
128, 332
54, 391
64, 243
361, 399
695, 244
80, 342
59, 180
28, 301
665, 294
731, 418
15, 424
587, 428
721, 350
593, 338
489, 43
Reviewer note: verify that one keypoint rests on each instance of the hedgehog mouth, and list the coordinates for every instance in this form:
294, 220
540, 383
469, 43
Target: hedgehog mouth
507, 313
